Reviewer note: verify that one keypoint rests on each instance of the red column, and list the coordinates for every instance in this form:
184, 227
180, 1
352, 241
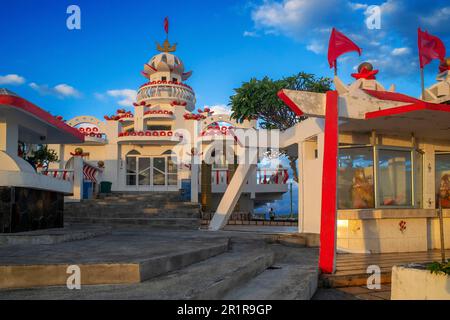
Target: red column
329, 186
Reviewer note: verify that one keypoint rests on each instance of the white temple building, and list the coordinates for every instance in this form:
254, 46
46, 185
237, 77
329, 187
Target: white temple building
150, 148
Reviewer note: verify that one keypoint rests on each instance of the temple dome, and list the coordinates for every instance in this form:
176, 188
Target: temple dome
165, 60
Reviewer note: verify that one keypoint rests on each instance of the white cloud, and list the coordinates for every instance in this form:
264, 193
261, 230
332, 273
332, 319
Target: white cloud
220, 109
401, 51
291, 17
61, 90
12, 79
438, 17
316, 47
358, 6
251, 34
66, 90
126, 96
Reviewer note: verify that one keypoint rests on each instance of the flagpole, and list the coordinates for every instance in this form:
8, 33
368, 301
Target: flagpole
335, 67
422, 83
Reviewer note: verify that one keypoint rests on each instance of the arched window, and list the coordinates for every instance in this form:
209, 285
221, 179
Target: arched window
164, 58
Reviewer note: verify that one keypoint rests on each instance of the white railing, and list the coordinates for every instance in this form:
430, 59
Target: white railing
272, 176
220, 176
263, 176
62, 174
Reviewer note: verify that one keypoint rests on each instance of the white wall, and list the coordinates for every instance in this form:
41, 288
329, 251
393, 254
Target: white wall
310, 192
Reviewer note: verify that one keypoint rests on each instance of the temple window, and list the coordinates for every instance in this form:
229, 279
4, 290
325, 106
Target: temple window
355, 178
394, 178
163, 78
379, 177
442, 179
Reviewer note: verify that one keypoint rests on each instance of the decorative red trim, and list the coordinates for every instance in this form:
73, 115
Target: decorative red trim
393, 96
44, 116
408, 108
291, 104
329, 186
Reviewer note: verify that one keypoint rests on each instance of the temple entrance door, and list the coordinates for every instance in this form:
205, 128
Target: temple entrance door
159, 171
144, 171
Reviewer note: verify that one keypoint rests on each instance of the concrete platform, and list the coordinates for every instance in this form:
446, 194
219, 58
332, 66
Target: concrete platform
52, 236
255, 263
122, 257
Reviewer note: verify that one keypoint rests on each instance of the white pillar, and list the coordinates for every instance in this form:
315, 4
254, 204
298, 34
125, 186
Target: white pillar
77, 178
233, 192
139, 118
429, 179
194, 179
301, 187
9, 138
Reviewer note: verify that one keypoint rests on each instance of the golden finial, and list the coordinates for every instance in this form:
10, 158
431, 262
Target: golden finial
166, 47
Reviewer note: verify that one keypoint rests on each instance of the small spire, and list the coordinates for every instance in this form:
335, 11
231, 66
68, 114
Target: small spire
166, 47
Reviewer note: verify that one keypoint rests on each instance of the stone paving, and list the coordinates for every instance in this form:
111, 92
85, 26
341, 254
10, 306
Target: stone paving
354, 293
251, 255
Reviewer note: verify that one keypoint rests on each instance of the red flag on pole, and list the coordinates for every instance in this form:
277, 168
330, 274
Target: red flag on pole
166, 25
430, 47
338, 45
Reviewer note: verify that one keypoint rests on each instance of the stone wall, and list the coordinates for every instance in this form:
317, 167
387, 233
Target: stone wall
25, 209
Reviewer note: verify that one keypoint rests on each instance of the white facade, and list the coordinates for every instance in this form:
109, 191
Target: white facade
150, 147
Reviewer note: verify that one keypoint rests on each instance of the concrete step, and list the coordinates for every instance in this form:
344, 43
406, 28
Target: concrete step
279, 282
177, 223
124, 270
293, 276
208, 279
138, 213
52, 236
132, 203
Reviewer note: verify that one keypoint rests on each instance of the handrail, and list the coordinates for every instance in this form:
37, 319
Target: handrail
62, 174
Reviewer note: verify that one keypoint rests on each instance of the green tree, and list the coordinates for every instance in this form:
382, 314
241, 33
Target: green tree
43, 156
258, 99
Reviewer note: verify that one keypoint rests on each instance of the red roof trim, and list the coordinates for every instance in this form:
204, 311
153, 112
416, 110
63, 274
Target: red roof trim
34, 110
408, 108
291, 104
392, 96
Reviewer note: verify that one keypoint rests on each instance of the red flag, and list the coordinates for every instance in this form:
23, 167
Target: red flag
338, 45
166, 25
430, 47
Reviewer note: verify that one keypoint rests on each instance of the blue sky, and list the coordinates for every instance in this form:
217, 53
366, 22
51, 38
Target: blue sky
96, 69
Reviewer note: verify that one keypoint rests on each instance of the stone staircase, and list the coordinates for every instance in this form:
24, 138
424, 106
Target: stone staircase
252, 268
153, 209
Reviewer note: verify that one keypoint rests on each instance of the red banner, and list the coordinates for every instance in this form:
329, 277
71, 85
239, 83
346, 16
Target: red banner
166, 25
338, 45
430, 48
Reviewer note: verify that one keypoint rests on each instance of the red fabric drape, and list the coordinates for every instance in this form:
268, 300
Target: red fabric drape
338, 45
430, 48
166, 25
